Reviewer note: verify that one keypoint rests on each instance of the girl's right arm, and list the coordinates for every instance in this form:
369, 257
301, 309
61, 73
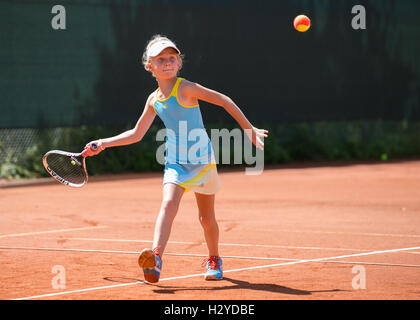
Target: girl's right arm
130, 136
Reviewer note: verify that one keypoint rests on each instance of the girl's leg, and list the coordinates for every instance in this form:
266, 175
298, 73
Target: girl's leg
211, 233
151, 260
172, 195
208, 221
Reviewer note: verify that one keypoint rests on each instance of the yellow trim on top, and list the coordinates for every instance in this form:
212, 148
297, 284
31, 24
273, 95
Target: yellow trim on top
177, 99
153, 104
174, 89
174, 92
195, 106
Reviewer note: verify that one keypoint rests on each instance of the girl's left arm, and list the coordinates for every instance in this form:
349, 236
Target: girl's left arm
194, 90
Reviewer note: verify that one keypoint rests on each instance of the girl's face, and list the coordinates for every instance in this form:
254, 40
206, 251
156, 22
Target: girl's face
165, 65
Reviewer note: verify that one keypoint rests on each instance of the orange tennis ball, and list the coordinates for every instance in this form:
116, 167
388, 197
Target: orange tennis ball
302, 23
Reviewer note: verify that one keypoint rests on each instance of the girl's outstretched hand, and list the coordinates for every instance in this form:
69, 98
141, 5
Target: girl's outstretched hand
256, 136
89, 152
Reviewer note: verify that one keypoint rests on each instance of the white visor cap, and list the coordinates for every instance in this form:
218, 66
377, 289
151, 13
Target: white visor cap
159, 46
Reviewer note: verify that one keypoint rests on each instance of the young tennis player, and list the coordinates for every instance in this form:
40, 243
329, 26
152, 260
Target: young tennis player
189, 160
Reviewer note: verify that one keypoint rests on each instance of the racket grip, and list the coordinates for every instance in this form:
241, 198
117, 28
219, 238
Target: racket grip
92, 147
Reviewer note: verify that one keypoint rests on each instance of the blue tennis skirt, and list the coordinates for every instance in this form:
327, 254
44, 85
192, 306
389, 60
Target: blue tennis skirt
200, 178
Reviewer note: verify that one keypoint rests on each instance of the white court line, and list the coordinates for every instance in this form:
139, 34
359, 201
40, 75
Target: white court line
49, 231
399, 235
67, 249
223, 244
226, 271
205, 255
414, 252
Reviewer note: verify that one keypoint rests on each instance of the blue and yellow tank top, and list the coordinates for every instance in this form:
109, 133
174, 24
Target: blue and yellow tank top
187, 141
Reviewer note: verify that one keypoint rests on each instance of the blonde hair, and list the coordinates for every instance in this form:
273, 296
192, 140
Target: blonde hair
153, 40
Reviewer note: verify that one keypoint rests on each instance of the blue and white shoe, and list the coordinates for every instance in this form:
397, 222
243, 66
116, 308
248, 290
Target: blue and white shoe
151, 263
214, 268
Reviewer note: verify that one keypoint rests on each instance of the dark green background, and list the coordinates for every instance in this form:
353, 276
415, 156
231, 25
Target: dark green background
91, 72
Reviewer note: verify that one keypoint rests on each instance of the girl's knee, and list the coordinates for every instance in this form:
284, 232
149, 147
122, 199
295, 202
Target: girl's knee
170, 206
207, 220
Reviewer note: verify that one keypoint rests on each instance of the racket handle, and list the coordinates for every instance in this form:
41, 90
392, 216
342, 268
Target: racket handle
92, 147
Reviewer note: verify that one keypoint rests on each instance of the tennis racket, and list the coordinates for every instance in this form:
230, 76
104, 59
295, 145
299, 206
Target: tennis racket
68, 168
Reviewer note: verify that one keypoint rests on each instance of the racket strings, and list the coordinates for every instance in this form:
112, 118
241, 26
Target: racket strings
64, 168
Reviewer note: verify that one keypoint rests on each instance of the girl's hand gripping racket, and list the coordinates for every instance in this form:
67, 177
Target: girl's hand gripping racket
68, 168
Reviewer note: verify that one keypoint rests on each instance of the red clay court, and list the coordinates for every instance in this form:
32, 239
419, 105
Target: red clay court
348, 231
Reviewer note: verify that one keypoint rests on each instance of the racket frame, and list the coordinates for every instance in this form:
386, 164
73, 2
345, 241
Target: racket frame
72, 156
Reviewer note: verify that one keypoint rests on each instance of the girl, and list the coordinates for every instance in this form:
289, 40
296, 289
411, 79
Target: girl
189, 165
